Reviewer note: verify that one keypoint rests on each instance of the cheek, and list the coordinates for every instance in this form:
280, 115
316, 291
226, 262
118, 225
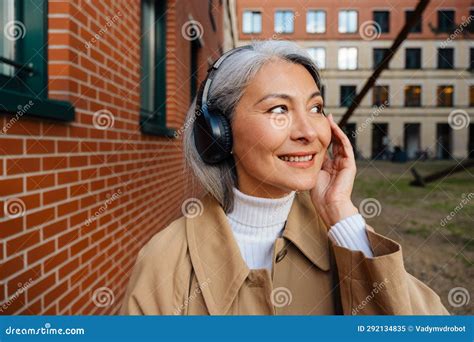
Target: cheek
325, 134
256, 138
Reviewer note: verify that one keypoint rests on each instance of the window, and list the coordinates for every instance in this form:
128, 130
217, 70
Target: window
347, 58
417, 27
153, 69
252, 22
471, 60
319, 56
284, 21
413, 96
413, 58
445, 95
380, 96
446, 21
446, 58
471, 96
382, 20
347, 21
24, 65
470, 26
348, 93
315, 21
378, 55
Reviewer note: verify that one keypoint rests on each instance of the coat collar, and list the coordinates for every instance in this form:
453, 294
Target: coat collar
216, 256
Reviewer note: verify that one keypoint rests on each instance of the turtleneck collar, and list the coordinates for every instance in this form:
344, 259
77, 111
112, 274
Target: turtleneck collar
257, 212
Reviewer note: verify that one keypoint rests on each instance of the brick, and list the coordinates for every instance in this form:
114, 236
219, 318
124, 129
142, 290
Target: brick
40, 252
11, 186
11, 146
40, 146
23, 242
53, 196
22, 165
40, 182
39, 217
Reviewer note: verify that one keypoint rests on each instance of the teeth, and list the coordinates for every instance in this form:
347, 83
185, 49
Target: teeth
297, 159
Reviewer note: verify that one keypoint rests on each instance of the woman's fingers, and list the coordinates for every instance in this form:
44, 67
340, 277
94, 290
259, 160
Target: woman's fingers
343, 145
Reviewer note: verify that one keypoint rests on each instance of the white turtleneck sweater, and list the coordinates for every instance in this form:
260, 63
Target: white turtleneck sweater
257, 222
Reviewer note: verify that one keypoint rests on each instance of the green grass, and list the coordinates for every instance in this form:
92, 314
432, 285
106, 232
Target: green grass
389, 184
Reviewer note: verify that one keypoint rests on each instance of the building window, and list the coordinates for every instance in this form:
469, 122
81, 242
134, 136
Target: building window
348, 93
446, 21
413, 58
347, 58
347, 21
471, 96
378, 55
382, 20
471, 60
417, 27
445, 95
24, 61
319, 56
252, 22
315, 21
446, 58
380, 96
470, 27
284, 21
153, 69
413, 96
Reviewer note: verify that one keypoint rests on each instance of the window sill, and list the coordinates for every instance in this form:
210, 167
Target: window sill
13, 102
157, 130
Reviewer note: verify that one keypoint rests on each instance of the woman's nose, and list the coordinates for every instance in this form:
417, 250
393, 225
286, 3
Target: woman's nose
302, 128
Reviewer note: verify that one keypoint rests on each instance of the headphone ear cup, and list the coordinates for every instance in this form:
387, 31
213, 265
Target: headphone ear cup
212, 137
226, 135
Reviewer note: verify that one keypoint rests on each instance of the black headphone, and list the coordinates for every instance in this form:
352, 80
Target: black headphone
212, 132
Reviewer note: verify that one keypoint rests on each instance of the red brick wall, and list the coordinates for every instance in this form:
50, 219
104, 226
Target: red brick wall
93, 197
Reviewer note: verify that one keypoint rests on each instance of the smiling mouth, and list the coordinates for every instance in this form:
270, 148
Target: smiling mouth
297, 159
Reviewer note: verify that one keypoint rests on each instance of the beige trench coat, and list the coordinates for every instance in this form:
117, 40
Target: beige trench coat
194, 267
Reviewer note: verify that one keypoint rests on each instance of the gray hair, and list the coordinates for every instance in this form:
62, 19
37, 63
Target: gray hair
226, 90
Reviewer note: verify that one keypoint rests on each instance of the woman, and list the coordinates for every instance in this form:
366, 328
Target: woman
277, 232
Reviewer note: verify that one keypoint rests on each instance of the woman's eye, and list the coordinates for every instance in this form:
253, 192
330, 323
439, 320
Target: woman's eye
278, 109
317, 109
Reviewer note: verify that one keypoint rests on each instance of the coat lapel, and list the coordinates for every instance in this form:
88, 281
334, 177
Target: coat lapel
216, 257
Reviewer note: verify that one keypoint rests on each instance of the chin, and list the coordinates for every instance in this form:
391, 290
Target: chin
301, 184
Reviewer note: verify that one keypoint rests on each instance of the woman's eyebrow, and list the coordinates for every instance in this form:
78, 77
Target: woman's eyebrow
285, 96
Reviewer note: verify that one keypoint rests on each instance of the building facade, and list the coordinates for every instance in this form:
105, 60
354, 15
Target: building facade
93, 96
422, 104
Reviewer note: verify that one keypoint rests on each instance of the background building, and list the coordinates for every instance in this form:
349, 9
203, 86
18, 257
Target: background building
429, 79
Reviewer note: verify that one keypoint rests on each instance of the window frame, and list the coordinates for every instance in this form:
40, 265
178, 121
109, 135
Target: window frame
441, 17
381, 86
314, 59
343, 100
357, 57
420, 96
252, 12
383, 50
284, 13
382, 29
28, 87
418, 28
420, 59
339, 20
153, 46
314, 11
439, 89
442, 58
